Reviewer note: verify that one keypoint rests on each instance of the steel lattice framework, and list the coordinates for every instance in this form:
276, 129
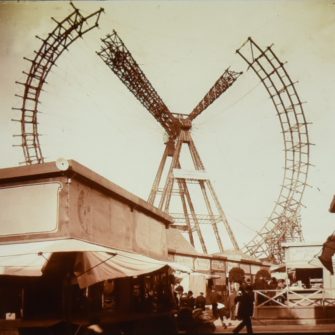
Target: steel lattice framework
119, 59
66, 32
283, 225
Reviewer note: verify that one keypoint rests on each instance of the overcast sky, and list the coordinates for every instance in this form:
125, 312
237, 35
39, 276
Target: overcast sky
182, 47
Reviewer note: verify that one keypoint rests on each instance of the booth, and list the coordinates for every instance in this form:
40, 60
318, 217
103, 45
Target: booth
76, 248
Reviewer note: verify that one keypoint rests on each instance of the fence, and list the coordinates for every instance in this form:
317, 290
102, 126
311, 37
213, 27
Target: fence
291, 297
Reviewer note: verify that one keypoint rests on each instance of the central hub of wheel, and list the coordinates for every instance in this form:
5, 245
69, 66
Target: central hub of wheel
186, 124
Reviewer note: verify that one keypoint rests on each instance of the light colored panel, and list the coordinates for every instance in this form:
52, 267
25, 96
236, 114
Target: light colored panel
29, 208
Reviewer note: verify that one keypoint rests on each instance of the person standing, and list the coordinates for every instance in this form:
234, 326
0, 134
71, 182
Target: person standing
281, 286
214, 302
245, 300
200, 301
232, 304
216, 311
190, 300
179, 290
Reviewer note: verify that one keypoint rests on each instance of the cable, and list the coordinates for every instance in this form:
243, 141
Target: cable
96, 265
216, 116
242, 224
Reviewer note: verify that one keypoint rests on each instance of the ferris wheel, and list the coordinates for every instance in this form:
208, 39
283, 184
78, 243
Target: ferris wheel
283, 223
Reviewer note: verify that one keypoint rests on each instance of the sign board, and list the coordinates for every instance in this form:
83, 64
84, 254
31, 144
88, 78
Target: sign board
202, 264
29, 208
188, 261
220, 278
218, 265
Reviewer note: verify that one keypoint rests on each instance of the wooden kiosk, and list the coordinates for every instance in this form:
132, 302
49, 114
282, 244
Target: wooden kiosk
76, 248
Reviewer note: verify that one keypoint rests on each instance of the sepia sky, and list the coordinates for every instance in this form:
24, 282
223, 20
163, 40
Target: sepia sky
182, 47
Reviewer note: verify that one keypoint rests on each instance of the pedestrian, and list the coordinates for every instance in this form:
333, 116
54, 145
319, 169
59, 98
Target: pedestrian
245, 300
190, 300
232, 304
248, 281
223, 312
216, 311
280, 287
213, 298
183, 302
273, 283
179, 290
185, 319
200, 301
272, 292
261, 285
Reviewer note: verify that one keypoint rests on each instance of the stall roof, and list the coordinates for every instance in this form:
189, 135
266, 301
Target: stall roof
302, 255
94, 263
178, 244
237, 255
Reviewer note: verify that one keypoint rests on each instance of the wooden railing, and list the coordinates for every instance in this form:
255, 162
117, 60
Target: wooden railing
291, 297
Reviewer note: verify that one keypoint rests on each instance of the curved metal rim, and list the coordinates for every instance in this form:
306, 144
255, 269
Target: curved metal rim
283, 225
65, 33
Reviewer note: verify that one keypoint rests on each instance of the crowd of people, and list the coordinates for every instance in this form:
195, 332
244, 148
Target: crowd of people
237, 304
271, 287
192, 315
